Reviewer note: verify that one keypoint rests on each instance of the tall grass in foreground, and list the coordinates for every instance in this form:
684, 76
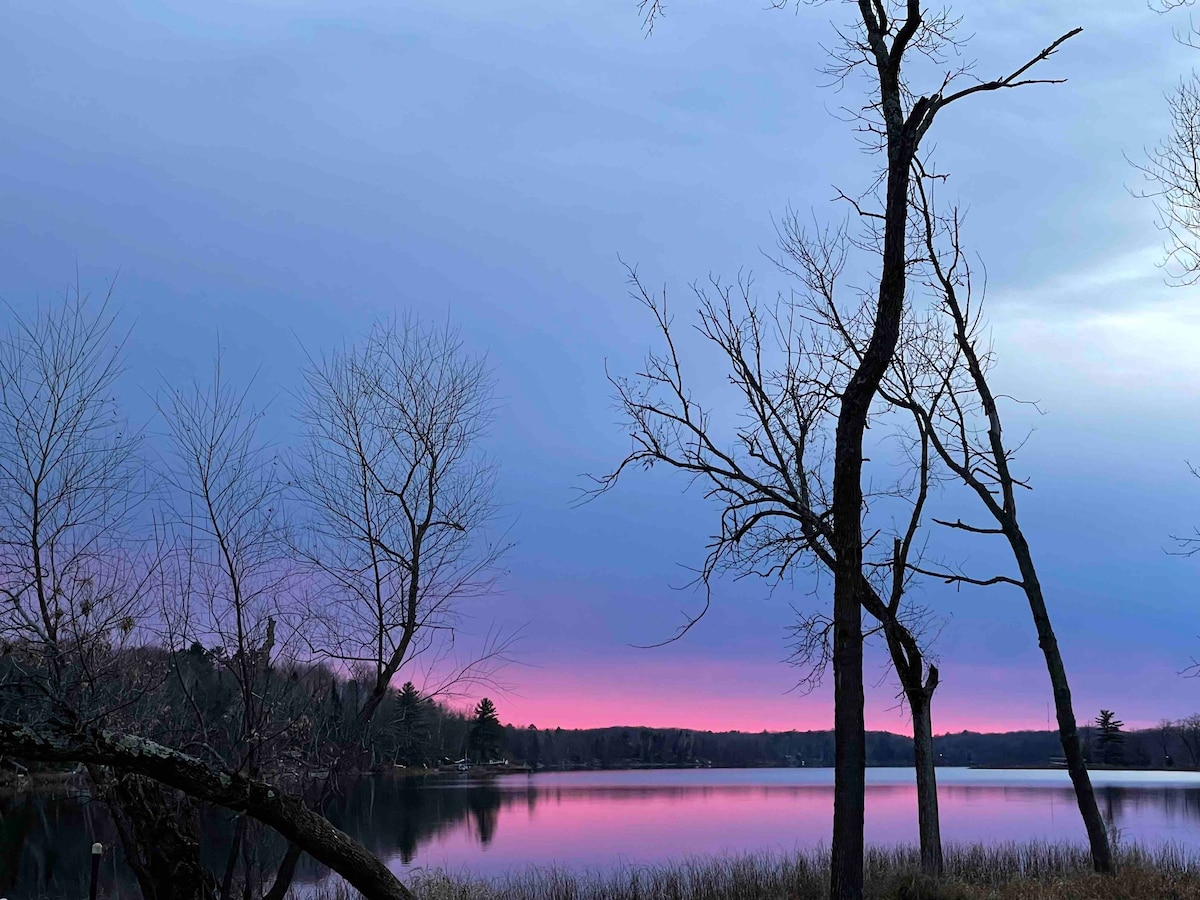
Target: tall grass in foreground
1033, 871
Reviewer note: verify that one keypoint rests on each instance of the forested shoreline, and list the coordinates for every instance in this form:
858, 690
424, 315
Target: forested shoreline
634, 747
417, 732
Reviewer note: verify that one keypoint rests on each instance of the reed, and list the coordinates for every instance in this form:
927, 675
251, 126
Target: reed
1028, 871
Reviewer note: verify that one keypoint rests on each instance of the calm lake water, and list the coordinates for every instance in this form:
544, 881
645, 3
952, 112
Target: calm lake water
599, 820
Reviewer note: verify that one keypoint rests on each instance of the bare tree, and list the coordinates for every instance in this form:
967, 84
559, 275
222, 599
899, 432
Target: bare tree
881, 38
81, 563
1188, 730
1173, 169
817, 262
233, 579
73, 573
770, 475
225, 501
943, 380
79, 566
401, 501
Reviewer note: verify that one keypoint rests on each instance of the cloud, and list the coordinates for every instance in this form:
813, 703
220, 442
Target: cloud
1120, 280
1109, 334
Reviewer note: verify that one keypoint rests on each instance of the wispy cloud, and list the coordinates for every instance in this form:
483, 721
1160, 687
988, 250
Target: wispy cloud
1111, 333
1121, 280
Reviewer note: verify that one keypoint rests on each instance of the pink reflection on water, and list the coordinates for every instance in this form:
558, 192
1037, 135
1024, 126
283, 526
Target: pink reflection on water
602, 820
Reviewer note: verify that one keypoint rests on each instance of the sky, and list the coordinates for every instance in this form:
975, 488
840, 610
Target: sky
267, 177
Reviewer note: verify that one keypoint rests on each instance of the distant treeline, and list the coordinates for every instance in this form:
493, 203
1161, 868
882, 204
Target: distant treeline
413, 730
1170, 744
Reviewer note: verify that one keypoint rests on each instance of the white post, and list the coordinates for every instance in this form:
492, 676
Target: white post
97, 852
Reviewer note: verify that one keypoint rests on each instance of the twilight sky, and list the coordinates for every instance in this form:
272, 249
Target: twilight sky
271, 175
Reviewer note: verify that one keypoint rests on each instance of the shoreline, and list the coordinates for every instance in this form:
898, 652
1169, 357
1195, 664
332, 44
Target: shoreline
50, 781
1025, 871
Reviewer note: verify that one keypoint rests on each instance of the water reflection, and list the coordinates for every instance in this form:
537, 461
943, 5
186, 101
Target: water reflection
599, 819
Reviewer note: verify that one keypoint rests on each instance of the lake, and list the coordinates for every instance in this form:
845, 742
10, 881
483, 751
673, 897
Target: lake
603, 819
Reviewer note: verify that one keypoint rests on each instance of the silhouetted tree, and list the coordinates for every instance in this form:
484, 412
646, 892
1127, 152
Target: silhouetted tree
232, 583
410, 721
487, 734
1112, 738
400, 497
789, 523
1173, 169
942, 380
76, 570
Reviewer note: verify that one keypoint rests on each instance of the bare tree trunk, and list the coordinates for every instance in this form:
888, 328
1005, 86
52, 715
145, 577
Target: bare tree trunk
1068, 731
849, 728
928, 820
849, 735
268, 804
235, 849
982, 460
284, 874
909, 663
159, 832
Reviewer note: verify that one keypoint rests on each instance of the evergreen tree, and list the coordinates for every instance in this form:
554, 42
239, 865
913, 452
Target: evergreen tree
1112, 738
487, 734
412, 725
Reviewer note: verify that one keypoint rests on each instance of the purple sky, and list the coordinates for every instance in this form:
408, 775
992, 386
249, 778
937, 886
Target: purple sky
283, 172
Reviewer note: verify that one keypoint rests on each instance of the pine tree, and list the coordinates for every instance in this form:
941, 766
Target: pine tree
1112, 739
487, 734
412, 725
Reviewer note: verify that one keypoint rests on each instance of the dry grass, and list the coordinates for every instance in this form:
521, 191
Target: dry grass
1000, 872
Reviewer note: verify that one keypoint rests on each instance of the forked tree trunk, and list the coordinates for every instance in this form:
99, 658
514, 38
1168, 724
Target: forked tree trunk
849, 728
920, 702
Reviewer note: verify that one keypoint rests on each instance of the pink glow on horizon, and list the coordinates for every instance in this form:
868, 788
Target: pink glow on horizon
746, 697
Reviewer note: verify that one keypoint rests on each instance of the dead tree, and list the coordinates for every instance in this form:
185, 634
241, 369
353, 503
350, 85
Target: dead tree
881, 37
943, 380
